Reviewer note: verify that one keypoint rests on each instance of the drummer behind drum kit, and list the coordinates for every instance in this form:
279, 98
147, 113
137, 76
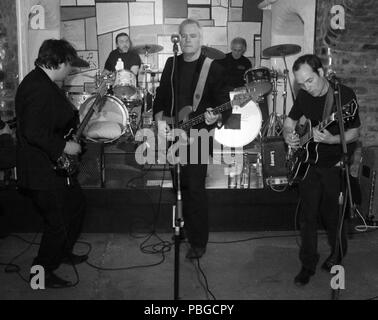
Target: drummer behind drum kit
123, 105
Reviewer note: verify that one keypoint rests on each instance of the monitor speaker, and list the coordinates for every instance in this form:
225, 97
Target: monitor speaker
368, 181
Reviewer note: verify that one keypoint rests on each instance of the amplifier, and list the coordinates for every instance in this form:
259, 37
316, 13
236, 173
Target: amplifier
274, 160
368, 181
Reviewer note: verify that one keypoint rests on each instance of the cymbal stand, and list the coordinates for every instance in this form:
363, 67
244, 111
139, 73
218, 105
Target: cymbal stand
153, 88
286, 72
273, 125
284, 93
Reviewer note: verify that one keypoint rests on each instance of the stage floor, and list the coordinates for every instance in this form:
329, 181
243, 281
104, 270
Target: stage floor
118, 210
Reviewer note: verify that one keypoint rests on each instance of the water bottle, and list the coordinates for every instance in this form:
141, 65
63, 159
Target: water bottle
259, 174
232, 176
120, 65
244, 176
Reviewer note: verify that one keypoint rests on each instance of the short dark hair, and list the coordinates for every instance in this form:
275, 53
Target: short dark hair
312, 60
122, 34
239, 40
53, 52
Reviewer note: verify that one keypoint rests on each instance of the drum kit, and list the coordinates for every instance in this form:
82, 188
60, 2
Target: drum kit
263, 81
124, 103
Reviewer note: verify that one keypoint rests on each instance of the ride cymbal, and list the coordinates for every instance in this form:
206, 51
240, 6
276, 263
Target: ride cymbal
281, 50
147, 48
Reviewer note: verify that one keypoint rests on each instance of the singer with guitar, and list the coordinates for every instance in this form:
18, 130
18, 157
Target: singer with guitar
44, 117
190, 64
320, 187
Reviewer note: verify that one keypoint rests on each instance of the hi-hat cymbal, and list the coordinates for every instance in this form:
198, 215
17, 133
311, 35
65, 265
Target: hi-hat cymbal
281, 50
212, 53
147, 48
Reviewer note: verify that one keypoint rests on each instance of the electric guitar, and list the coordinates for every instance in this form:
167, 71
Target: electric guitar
67, 165
187, 120
299, 159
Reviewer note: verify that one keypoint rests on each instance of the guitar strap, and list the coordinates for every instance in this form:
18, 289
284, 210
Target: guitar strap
201, 83
328, 104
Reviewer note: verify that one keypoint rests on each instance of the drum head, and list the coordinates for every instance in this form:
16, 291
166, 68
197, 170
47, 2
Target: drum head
245, 127
109, 123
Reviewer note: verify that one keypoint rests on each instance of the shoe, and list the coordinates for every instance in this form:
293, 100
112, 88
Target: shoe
329, 263
195, 253
74, 259
303, 277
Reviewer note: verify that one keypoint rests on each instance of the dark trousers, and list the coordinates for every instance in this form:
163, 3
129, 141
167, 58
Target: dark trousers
62, 211
319, 193
195, 206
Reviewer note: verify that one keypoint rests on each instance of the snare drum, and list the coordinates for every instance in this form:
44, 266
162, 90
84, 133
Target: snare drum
78, 98
258, 80
107, 125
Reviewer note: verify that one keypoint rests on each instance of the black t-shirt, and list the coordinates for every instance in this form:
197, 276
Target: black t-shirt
129, 59
312, 108
186, 79
235, 69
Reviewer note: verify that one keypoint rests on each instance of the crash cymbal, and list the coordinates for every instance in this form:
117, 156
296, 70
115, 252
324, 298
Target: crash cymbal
147, 48
281, 50
212, 53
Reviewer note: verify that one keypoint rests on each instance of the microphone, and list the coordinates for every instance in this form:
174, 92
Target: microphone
331, 76
175, 38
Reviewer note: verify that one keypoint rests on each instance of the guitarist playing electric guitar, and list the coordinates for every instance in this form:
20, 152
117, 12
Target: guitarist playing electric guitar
215, 93
320, 188
44, 116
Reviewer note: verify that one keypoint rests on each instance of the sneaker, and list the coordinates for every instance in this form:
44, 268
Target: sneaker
195, 253
303, 277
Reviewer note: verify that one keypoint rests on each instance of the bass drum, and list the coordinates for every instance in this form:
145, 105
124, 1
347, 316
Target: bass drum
242, 127
107, 125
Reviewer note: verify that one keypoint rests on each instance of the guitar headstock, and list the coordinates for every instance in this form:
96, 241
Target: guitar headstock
241, 99
349, 110
103, 83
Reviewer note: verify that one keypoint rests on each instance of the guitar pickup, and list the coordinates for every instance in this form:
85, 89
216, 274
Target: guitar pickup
233, 122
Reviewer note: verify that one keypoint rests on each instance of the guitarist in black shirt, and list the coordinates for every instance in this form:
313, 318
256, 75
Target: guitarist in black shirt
215, 93
320, 188
44, 117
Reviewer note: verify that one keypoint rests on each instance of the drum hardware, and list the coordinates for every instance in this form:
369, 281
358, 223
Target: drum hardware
274, 125
283, 50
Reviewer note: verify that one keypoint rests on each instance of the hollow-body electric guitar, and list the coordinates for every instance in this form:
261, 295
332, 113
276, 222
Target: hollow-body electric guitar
299, 159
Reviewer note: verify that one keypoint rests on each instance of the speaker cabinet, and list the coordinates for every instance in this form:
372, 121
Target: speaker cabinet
368, 181
91, 166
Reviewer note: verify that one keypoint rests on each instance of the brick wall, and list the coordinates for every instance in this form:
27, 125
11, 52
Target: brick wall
354, 55
8, 58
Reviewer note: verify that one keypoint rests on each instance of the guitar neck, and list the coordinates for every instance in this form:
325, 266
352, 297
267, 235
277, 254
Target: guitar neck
321, 126
201, 118
98, 100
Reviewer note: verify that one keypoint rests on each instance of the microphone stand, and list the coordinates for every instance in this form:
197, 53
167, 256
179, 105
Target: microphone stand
344, 179
178, 220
